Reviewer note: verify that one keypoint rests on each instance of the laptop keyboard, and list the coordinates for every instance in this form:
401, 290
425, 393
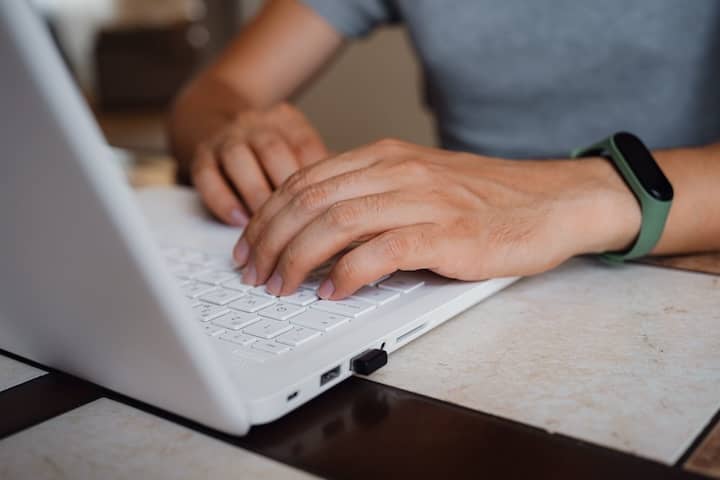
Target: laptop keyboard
261, 326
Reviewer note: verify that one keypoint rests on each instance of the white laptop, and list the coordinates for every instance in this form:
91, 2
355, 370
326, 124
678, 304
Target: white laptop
159, 314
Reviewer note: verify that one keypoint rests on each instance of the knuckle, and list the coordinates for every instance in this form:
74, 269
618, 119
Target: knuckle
231, 148
254, 195
395, 247
263, 250
389, 145
414, 167
343, 214
284, 109
291, 260
346, 269
307, 145
376, 204
268, 142
310, 199
251, 233
296, 183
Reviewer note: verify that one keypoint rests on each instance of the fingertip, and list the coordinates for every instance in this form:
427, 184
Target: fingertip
237, 217
218, 197
241, 252
249, 276
326, 290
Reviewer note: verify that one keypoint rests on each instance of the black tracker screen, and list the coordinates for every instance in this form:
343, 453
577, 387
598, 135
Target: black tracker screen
642, 164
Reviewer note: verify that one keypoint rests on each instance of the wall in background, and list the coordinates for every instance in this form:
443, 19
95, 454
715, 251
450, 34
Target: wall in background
372, 91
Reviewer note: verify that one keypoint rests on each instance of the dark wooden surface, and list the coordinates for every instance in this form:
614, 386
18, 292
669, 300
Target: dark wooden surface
362, 429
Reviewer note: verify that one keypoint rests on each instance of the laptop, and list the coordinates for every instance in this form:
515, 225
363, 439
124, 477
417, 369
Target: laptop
88, 288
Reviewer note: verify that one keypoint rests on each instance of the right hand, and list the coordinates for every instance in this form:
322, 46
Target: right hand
238, 167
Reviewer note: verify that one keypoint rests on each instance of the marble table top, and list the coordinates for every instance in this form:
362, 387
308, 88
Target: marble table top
108, 440
13, 373
625, 357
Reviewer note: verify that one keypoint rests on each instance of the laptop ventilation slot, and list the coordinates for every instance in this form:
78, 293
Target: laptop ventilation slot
407, 335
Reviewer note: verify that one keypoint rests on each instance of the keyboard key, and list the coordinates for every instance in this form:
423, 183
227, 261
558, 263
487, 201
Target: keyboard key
213, 330
270, 347
235, 320
378, 296
178, 254
207, 312
182, 270
252, 303
236, 284
219, 262
192, 256
281, 311
319, 320
247, 353
267, 328
215, 277
196, 289
221, 296
303, 297
349, 307
238, 338
402, 282
297, 336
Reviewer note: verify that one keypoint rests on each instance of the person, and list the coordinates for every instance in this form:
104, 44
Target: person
506, 80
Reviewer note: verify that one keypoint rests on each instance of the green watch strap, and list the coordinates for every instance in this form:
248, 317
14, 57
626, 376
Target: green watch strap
644, 177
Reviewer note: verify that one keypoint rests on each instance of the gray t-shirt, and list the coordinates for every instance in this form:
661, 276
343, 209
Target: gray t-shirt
518, 78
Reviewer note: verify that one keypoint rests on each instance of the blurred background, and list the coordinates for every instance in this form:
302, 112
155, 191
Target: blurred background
131, 57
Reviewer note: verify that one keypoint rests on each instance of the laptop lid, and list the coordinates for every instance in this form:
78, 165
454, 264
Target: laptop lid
82, 288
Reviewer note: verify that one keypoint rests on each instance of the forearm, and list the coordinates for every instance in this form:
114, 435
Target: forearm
694, 221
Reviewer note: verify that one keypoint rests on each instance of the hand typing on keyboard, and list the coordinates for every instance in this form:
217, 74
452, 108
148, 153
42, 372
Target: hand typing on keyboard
460, 215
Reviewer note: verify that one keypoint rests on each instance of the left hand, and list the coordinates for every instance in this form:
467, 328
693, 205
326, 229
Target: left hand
457, 214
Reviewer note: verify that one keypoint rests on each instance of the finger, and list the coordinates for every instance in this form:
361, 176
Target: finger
214, 190
303, 138
338, 227
308, 146
241, 166
304, 208
299, 181
408, 248
274, 154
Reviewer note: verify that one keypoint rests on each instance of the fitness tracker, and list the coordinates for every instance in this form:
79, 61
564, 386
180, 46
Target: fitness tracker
643, 175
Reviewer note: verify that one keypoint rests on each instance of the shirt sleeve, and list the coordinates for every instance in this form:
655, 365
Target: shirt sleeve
355, 18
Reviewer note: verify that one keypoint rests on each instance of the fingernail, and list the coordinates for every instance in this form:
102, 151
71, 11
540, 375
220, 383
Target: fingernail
326, 289
249, 275
242, 250
238, 218
274, 285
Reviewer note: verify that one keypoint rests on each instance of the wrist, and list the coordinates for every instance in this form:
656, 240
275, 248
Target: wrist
606, 215
202, 109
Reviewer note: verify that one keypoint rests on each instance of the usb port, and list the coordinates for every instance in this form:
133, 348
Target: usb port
330, 375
